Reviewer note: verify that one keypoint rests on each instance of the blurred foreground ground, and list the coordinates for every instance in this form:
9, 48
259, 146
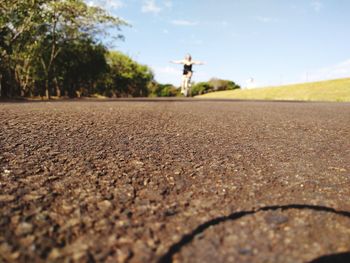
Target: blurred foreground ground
123, 181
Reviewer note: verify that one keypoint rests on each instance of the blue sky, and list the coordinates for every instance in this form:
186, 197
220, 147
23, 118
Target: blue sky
272, 41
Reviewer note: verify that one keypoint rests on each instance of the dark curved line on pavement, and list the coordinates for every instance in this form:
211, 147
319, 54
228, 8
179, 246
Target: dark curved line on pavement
334, 258
187, 238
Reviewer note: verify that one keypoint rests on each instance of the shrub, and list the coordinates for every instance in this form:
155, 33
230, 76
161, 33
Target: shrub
213, 85
200, 88
163, 90
220, 84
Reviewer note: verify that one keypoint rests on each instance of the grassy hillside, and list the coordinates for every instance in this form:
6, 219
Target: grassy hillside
332, 90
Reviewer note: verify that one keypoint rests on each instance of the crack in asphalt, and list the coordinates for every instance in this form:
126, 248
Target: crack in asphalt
188, 238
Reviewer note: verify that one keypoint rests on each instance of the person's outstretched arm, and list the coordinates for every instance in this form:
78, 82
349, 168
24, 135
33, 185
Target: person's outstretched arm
198, 63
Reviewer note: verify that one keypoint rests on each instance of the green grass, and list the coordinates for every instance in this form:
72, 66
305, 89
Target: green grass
332, 90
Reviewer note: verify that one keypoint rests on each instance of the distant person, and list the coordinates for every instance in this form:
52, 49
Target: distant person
187, 73
250, 83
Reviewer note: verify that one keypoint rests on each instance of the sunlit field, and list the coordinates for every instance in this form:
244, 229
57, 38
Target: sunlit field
333, 90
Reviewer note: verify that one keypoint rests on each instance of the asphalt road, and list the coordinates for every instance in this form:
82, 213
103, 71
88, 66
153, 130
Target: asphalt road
174, 181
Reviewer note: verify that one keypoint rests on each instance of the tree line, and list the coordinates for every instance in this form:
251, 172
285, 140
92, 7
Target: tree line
50, 47
214, 84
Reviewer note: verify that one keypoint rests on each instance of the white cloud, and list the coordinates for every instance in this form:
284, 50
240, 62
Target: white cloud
184, 23
340, 70
150, 6
168, 74
107, 4
316, 5
220, 23
168, 70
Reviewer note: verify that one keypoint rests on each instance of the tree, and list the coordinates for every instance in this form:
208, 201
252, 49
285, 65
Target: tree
18, 20
220, 84
163, 90
68, 20
201, 88
80, 66
34, 32
212, 85
126, 77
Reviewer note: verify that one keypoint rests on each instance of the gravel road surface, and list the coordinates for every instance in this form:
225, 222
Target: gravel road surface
174, 181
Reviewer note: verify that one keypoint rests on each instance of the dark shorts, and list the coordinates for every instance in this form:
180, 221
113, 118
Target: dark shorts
185, 72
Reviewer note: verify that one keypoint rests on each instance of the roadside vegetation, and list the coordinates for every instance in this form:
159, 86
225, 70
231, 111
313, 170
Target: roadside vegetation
52, 48
169, 90
213, 85
332, 90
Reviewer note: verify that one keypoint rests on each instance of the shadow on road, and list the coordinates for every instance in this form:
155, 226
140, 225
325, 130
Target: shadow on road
187, 238
335, 258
